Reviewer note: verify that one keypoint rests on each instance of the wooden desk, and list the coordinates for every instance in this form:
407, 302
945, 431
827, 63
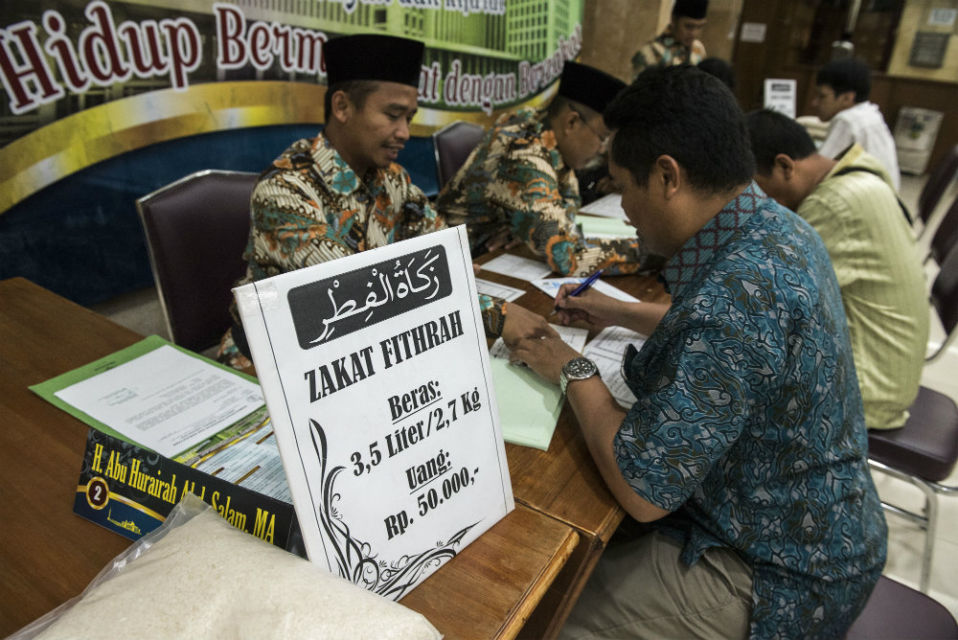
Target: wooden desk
564, 482
48, 554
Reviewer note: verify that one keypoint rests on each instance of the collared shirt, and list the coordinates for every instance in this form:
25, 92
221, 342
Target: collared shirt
664, 51
516, 182
310, 207
748, 421
856, 212
864, 124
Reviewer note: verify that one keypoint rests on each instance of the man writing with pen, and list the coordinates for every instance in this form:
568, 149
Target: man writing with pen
519, 184
745, 449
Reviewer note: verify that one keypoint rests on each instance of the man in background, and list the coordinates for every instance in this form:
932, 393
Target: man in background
746, 446
842, 90
519, 184
343, 192
852, 204
679, 43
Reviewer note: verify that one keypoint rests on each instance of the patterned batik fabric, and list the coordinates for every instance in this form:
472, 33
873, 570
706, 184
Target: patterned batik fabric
748, 421
515, 183
664, 51
310, 207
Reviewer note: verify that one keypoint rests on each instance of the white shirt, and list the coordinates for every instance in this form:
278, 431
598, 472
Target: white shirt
865, 125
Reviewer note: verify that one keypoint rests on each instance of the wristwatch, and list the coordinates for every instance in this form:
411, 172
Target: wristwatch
576, 369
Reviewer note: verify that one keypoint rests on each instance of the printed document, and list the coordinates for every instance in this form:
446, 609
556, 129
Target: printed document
165, 400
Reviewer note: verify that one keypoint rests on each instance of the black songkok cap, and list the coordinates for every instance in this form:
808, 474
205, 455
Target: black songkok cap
695, 9
373, 57
589, 86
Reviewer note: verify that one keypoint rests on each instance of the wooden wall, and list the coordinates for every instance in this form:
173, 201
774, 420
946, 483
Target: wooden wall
754, 62
613, 30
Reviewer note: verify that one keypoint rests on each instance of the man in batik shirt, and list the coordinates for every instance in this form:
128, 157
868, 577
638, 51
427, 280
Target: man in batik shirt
746, 445
342, 191
679, 43
520, 184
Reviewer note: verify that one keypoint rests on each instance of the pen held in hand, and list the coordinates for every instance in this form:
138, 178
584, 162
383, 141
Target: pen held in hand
583, 286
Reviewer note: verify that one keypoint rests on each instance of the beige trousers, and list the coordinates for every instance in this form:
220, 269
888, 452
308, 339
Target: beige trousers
641, 589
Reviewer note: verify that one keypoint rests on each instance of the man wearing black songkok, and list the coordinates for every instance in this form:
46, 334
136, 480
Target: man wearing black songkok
679, 43
343, 192
520, 185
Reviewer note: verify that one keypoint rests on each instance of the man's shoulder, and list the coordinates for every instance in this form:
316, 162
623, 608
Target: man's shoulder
296, 155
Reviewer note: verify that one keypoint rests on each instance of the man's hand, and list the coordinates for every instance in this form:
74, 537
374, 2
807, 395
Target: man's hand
545, 355
591, 306
521, 323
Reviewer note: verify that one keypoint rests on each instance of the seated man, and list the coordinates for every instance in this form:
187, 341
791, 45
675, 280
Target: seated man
852, 204
746, 444
842, 90
342, 191
679, 43
520, 181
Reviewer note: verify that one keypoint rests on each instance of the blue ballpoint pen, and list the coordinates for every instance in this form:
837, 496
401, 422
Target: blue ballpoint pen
584, 285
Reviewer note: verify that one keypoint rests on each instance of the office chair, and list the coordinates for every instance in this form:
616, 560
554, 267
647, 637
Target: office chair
196, 231
452, 145
945, 236
939, 179
896, 611
924, 451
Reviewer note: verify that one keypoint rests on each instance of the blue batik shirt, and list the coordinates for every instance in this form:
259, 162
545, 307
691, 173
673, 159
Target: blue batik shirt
748, 421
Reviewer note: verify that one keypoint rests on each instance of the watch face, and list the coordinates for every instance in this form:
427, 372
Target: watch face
579, 369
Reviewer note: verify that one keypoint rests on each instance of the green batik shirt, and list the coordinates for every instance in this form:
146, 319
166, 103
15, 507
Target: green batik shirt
516, 182
665, 51
311, 207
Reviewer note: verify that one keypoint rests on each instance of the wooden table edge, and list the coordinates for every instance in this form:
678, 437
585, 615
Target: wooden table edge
514, 624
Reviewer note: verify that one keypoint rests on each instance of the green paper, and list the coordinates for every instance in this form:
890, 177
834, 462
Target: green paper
597, 226
529, 407
48, 389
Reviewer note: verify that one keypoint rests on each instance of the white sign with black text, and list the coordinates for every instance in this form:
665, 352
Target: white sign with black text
376, 374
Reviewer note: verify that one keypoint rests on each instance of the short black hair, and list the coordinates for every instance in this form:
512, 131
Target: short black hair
685, 113
846, 74
720, 69
356, 90
772, 133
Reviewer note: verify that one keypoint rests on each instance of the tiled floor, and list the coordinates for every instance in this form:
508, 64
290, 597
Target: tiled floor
141, 312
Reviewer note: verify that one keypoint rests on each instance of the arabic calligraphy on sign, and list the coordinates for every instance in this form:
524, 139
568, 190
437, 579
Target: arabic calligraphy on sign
329, 309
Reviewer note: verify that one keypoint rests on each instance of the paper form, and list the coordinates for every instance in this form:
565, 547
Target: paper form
606, 350
516, 267
529, 406
551, 286
490, 288
253, 463
608, 206
165, 400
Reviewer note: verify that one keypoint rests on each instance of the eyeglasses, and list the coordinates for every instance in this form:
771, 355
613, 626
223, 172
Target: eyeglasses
602, 138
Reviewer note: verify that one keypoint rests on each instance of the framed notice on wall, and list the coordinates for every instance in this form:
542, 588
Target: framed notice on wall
376, 374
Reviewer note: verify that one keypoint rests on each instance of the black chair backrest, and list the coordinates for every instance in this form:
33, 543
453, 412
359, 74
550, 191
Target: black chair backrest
196, 231
453, 144
944, 291
946, 235
896, 611
939, 178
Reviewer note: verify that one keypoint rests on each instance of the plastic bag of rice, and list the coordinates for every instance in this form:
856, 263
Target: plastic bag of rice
198, 577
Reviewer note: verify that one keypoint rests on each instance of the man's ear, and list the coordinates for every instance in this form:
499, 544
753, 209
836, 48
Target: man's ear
785, 165
568, 119
341, 106
846, 99
668, 175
